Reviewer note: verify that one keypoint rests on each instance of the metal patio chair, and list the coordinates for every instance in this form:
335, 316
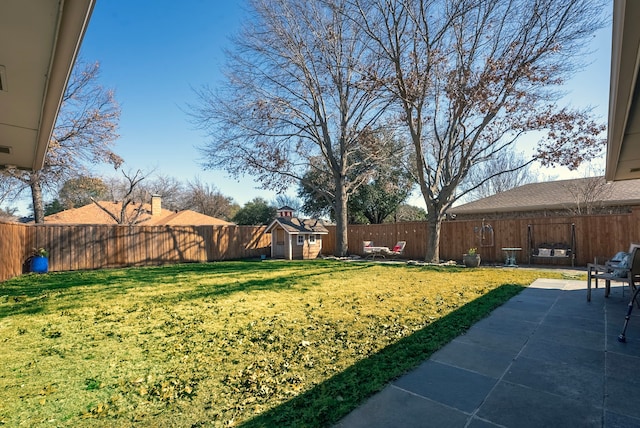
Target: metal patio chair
633, 277
615, 269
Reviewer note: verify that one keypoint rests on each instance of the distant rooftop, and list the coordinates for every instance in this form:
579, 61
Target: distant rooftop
92, 214
555, 195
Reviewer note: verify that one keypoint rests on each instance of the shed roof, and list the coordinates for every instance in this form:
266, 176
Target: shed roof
294, 225
555, 195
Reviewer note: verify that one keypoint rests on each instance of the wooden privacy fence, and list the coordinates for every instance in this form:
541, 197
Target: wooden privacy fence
80, 247
595, 236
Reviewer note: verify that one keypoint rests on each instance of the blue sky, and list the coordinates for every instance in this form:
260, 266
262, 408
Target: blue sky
154, 52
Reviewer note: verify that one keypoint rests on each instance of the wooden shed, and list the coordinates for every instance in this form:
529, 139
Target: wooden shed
293, 238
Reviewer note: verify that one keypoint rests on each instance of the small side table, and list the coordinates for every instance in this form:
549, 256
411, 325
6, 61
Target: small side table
510, 256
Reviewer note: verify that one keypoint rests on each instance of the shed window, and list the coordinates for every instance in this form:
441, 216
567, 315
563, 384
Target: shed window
312, 239
300, 239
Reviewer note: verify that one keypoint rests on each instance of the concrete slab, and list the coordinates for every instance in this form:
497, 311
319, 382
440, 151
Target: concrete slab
581, 358
620, 397
557, 378
394, 407
454, 387
614, 420
476, 358
504, 323
503, 341
570, 336
512, 405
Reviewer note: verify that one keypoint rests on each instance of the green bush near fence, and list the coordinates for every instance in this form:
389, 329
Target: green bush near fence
228, 343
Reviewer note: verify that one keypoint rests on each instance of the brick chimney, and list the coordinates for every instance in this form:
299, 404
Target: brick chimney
156, 205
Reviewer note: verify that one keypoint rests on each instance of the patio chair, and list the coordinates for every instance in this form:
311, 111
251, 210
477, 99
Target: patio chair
615, 269
633, 276
397, 250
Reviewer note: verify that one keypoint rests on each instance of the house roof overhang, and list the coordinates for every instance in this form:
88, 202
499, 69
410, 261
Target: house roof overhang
39, 42
623, 144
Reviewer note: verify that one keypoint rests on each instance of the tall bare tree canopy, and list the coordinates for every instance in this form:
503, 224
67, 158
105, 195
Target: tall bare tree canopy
296, 99
471, 77
207, 199
84, 133
504, 171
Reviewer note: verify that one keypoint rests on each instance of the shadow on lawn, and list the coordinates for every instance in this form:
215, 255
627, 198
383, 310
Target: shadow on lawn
330, 401
240, 283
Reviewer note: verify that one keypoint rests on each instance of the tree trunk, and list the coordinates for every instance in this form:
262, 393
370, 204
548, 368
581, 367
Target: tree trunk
433, 239
36, 197
342, 243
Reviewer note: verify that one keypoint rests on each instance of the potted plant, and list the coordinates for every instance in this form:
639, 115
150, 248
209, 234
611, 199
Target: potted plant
40, 260
471, 258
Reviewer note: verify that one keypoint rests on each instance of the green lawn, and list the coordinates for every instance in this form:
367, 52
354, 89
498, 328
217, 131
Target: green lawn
270, 343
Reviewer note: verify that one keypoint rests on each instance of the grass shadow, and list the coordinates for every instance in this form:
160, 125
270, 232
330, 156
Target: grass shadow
327, 403
273, 283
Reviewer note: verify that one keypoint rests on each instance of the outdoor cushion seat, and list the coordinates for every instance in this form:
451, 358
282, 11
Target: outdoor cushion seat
619, 268
397, 249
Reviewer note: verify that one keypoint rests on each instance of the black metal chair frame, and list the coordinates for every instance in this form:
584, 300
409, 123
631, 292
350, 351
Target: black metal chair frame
609, 272
634, 283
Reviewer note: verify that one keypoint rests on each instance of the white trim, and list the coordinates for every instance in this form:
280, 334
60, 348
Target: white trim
298, 239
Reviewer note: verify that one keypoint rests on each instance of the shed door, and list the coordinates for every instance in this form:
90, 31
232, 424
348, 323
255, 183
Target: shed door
280, 240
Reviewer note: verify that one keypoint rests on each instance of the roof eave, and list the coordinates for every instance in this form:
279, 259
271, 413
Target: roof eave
73, 20
625, 62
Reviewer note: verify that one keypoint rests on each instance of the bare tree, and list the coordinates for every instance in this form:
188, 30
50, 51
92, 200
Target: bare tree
588, 194
128, 213
289, 201
472, 77
506, 170
207, 199
10, 188
7, 214
84, 132
170, 188
296, 91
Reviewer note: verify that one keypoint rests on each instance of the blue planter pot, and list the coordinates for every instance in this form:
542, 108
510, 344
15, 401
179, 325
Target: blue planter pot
39, 264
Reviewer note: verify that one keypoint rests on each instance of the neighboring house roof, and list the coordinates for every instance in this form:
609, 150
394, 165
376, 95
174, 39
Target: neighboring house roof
92, 214
191, 218
556, 195
294, 225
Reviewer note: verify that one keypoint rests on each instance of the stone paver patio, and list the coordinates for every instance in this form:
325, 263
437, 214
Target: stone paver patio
546, 358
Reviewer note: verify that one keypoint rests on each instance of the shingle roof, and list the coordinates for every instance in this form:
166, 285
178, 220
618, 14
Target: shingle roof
92, 214
295, 225
554, 195
193, 218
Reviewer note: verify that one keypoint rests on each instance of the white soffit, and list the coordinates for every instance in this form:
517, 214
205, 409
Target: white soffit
39, 42
623, 145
